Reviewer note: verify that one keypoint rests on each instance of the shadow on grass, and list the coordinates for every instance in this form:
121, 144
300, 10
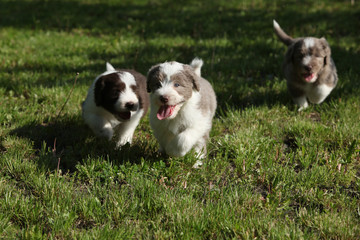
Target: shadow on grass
69, 142
198, 19
243, 72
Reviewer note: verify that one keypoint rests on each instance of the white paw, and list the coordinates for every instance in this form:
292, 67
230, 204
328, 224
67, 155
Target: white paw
200, 155
124, 140
302, 108
197, 164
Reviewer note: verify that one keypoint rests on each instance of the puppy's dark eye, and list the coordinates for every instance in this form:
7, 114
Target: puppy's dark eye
176, 85
158, 85
134, 88
115, 94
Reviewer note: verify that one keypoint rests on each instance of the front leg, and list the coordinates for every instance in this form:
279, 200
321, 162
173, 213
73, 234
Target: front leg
100, 126
200, 147
182, 143
298, 95
301, 102
125, 131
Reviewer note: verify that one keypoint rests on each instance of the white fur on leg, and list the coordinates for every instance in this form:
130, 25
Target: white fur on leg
100, 126
197, 164
182, 143
200, 148
126, 130
302, 102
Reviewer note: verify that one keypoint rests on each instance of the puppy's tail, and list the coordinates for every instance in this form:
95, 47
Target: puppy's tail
282, 35
196, 64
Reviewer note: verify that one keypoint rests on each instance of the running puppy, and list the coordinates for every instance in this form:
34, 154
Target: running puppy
308, 67
183, 105
115, 103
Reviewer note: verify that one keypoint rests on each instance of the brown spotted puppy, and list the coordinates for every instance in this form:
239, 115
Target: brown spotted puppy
308, 67
183, 105
116, 102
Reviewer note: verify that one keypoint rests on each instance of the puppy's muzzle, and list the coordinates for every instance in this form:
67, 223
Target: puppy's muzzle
164, 99
131, 106
308, 68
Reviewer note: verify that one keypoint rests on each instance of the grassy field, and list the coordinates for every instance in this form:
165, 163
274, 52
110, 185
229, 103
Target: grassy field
272, 172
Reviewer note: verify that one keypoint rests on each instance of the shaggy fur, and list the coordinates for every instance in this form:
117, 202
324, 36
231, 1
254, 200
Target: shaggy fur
308, 67
115, 103
182, 107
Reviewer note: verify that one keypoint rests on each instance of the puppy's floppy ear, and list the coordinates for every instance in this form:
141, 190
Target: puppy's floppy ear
190, 73
109, 67
99, 86
148, 86
289, 56
152, 74
326, 48
196, 84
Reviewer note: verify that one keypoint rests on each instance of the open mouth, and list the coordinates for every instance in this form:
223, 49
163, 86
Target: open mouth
309, 76
165, 111
123, 115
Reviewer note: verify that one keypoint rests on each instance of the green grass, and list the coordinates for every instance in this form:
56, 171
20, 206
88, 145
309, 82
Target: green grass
271, 172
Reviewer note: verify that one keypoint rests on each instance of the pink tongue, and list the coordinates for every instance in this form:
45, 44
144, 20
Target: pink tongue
165, 111
309, 77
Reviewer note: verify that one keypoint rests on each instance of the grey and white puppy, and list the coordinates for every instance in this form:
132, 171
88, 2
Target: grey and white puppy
182, 107
308, 67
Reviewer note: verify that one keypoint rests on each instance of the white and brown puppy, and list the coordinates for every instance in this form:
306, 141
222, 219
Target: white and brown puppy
115, 103
183, 105
308, 67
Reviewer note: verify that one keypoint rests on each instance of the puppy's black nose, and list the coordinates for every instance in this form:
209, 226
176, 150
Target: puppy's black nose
129, 105
164, 99
308, 68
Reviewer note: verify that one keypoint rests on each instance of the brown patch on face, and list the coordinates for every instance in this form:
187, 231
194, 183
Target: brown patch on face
140, 91
136, 90
107, 91
182, 84
155, 76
